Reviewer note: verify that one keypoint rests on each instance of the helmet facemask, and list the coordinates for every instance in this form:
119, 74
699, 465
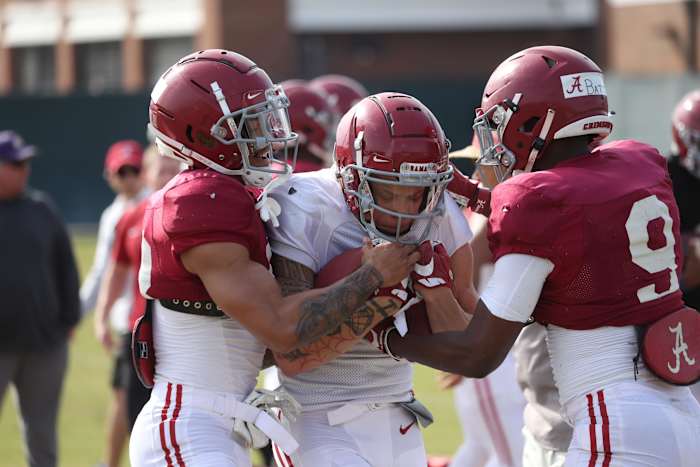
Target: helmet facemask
263, 135
691, 139
495, 157
414, 175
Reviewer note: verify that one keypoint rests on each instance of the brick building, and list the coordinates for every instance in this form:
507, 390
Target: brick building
111, 46
652, 37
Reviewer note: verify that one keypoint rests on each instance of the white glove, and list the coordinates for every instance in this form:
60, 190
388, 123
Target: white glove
250, 435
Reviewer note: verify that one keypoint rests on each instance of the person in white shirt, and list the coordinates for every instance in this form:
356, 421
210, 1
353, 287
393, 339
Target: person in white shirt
122, 172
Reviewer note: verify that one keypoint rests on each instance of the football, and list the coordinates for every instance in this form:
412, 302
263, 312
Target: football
348, 262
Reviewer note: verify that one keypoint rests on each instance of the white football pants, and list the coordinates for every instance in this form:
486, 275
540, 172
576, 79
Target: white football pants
378, 435
491, 414
635, 424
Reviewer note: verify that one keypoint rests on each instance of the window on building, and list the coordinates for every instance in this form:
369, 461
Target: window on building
161, 54
98, 67
34, 70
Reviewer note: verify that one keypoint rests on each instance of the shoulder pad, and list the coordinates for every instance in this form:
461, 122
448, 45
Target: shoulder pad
205, 201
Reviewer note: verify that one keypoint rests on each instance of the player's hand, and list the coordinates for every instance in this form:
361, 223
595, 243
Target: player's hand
104, 335
377, 336
392, 260
433, 268
468, 193
448, 380
397, 293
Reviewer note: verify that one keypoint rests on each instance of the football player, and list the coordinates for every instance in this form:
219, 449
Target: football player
586, 242
389, 179
311, 118
684, 168
204, 259
342, 93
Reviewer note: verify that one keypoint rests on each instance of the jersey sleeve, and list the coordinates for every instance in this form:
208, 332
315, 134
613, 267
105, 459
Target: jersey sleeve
300, 221
525, 220
454, 231
196, 214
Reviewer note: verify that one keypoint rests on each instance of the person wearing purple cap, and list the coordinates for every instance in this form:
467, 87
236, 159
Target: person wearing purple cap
40, 301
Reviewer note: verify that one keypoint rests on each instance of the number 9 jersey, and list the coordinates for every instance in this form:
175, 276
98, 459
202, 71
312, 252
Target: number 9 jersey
609, 223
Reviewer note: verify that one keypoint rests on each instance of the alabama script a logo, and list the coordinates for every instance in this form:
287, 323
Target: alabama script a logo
575, 85
681, 348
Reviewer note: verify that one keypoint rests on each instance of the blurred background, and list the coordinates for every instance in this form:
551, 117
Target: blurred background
75, 76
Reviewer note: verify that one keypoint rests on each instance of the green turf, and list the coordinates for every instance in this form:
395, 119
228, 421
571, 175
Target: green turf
86, 392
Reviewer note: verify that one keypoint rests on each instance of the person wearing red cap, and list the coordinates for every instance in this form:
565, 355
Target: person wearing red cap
122, 169
122, 270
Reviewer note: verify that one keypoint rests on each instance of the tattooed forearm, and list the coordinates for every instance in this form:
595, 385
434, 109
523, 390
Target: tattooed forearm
322, 314
295, 355
357, 325
291, 276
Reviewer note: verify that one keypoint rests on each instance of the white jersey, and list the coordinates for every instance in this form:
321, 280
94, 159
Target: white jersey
316, 226
89, 290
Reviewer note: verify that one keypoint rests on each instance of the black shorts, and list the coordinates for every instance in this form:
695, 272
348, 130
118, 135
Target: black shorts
122, 362
124, 377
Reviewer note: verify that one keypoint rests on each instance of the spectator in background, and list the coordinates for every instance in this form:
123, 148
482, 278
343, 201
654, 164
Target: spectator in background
122, 271
40, 302
122, 168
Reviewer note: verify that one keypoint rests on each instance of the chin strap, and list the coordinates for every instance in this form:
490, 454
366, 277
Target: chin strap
539, 142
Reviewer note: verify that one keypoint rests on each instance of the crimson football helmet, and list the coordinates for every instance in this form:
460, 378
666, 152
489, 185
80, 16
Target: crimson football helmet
392, 139
534, 97
343, 92
686, 131
217, 109
311, 117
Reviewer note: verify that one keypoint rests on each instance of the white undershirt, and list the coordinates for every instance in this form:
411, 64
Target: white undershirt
515, 286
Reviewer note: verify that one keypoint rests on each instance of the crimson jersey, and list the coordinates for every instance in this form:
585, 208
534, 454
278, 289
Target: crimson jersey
127, 251
195, 207
609, 223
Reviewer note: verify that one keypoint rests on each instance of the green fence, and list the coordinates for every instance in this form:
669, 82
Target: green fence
73, 134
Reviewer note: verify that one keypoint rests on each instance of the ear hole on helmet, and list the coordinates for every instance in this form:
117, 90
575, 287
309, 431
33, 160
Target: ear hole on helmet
550, 62
188, 133
529, 125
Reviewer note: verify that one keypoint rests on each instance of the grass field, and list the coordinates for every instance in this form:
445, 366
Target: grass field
86, 392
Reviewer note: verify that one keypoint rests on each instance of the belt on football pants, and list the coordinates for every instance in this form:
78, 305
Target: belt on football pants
193, 307
227, 405
348, 412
